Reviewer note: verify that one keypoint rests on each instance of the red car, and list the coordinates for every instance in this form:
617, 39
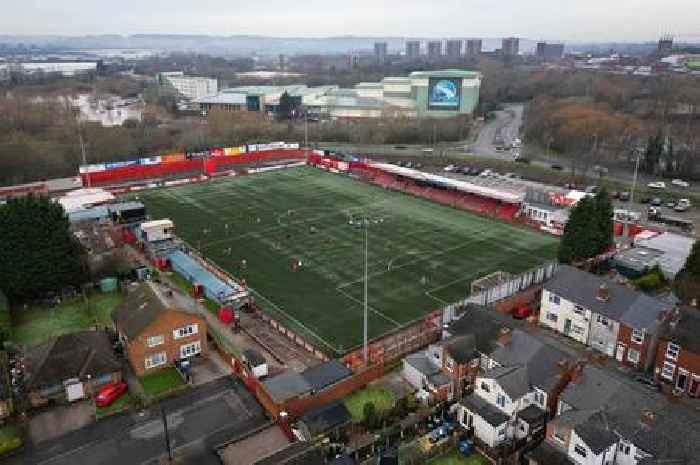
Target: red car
522, 312
110, 393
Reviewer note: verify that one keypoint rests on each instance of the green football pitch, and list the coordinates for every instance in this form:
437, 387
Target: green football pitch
422, 255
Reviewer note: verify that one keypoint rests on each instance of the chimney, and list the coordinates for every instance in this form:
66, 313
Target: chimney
648, 417
603, 293
505, 335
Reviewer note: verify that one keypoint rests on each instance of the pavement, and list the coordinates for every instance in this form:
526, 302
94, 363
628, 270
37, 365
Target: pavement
209, 368
198, 420
60, 420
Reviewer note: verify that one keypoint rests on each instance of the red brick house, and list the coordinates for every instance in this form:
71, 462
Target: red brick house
678, 355
159, 326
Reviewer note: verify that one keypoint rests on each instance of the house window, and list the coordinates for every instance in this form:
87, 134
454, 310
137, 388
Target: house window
602, 320
539, 397
672, 351
625, 447
578, 310
580, 450
485, 387
554, 299
577, 329
501, 432
668, 370
552, 317
155, 360
449, 364
501, 400
185, 331
155, 340
188, 350
559, 437
633, 356
637, 336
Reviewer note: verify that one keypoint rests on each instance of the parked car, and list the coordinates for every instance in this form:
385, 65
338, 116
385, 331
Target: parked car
449, 168
428, 150
649, 382
522, 312
657, 185
657, 202
645, 200
682, 205
680, 183
466, 170
670, 203
400, 147
625, 197
557, 167
614, 195
111, 392
485, 173
592, 189
475, 171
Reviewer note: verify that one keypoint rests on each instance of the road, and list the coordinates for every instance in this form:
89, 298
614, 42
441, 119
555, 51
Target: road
197, 421
503, 129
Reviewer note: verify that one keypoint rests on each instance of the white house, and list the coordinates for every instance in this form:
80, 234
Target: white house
564, 316
592, 446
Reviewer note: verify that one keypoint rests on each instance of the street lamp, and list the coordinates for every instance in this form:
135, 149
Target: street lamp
634, 187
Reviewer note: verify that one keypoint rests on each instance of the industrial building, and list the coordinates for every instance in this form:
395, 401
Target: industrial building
444, 93
190, 87
64, 68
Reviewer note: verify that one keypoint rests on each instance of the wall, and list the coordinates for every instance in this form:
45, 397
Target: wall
564, 312
686, 360
607, 456
482, 429
604, 337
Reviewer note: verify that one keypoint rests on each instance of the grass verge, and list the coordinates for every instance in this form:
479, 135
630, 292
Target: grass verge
455, 458
119, 405
10, 439
162, 383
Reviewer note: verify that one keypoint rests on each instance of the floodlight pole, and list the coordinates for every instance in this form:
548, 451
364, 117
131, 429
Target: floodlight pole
634, 186
364, 347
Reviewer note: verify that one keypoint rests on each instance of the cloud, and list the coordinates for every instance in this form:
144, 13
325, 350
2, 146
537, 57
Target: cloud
552, 19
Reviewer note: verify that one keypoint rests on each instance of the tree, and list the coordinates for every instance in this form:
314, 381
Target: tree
581, 234
604, 223
687, 281
370, 413
39, 253
287, 107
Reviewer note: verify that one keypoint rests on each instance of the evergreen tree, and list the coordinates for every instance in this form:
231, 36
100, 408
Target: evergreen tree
604, 222
286, 108
687, 281
652, 155
39, 253
581, 233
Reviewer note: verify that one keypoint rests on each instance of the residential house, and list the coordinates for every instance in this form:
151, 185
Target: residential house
606, 419
159, 326
678, 355
615, 320
70, 367
548, 367
445, 369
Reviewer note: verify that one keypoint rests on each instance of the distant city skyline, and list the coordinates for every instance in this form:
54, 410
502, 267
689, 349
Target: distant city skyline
576, 20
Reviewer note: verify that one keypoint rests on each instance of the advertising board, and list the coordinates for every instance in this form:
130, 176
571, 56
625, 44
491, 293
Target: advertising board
444, 93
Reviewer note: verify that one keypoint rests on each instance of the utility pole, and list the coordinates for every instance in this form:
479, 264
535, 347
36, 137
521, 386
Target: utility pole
634, 187
167, 434
82, 148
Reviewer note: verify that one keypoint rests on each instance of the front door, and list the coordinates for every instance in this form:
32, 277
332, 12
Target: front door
682, 380
567, 326
620, 354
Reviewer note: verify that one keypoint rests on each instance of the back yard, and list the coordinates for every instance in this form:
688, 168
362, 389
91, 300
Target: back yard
36, 324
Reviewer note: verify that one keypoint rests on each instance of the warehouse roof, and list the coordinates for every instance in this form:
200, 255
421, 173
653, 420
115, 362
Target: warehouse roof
194, 272
326, 374
675, 248
286, 386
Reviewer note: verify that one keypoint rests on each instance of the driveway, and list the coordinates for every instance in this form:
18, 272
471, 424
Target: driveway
60, 420
209, 369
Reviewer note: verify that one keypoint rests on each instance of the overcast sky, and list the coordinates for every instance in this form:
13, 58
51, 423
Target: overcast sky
599, 20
